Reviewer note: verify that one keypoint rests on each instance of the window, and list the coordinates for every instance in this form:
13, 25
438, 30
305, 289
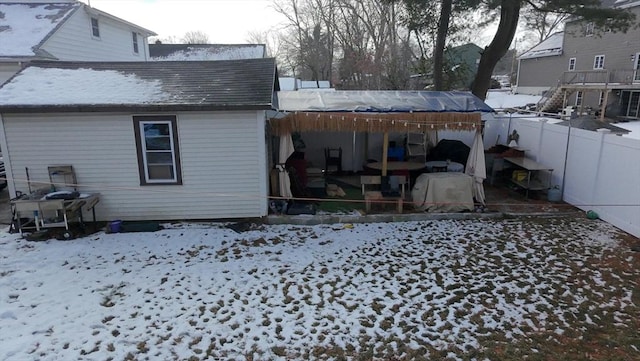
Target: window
95, 28
157, 146
589, 29
572, 64
598, 62
579, 98
135, 42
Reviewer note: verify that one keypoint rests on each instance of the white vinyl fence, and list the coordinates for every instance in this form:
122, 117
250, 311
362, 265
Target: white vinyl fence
596, 171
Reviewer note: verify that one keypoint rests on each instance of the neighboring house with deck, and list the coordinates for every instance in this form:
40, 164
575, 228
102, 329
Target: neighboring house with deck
65, 30
157, 140
594, 68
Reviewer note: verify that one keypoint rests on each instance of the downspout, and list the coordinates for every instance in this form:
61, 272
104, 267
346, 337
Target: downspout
566, 156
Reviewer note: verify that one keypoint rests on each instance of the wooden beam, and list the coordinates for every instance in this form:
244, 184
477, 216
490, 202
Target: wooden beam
385, 151
604, 104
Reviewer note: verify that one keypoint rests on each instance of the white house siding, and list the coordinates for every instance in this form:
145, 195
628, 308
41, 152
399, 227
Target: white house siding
74, 41
223, 163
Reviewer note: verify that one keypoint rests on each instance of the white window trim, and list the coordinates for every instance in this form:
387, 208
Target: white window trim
93, 35
139, 123
572, 64
596, 62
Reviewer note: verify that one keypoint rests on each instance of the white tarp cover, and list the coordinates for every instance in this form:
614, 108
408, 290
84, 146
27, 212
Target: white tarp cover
286, 149
443, 192
380, 101
476, 167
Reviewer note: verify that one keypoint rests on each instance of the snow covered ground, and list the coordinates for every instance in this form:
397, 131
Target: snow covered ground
633, 126
418, 290
504, 99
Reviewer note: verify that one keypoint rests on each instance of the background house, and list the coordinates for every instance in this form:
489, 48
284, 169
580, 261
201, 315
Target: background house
65, 30
462, 65
596, 68
181, 52
157, 140
540, 67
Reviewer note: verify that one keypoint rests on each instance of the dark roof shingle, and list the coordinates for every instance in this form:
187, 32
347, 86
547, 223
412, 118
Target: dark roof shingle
184, 85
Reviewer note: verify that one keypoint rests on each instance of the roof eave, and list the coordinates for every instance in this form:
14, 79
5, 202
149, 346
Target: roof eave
94, 11
109, 108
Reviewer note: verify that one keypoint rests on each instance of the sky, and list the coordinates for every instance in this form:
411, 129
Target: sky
196, 289
225, 21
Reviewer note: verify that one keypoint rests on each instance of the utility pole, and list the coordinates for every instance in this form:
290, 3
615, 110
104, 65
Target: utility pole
513, 60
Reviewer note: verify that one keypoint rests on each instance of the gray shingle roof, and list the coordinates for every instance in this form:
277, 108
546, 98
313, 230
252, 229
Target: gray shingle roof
175, 85
24, 26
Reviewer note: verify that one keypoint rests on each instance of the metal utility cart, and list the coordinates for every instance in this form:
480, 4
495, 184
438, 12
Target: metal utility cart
36, 212
531, 181
47, 208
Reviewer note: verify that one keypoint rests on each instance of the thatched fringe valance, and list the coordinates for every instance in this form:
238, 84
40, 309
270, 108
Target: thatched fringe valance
373, 122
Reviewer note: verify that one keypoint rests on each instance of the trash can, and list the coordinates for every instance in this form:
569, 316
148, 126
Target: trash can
554, 195
115, 226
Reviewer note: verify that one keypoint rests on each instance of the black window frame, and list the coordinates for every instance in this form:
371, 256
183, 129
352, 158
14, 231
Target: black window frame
138, 122
136, 48
95, 27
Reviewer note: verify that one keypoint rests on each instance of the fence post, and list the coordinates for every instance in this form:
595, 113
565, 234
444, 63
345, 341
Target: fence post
540, 136
602, 132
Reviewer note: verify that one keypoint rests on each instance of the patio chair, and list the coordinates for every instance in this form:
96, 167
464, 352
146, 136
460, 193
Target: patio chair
333, 159
384, 190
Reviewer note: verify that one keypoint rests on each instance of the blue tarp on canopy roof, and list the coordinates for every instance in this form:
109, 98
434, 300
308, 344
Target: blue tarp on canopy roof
380, 101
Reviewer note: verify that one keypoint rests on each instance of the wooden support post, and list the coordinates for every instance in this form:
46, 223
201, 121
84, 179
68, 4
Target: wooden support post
604, 104
385, 150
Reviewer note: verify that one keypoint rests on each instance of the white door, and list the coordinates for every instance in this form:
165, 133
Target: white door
636, 74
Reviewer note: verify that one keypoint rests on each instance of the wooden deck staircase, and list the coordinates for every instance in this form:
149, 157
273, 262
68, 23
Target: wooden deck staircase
554, 100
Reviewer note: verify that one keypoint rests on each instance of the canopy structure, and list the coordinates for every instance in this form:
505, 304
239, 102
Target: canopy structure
377, 111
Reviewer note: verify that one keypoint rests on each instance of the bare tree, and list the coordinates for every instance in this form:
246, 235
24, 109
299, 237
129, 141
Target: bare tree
543, 24
307, 46
195, 37
363, 39
270, 39
166, 40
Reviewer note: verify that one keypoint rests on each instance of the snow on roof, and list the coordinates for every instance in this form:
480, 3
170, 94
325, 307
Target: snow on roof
24, 26
182, 52
105, 86
549, 47
81, 86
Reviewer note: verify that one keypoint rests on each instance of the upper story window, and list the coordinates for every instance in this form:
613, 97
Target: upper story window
598, 62
572, 64
95, 28
589, 29
135, 42
157, 148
